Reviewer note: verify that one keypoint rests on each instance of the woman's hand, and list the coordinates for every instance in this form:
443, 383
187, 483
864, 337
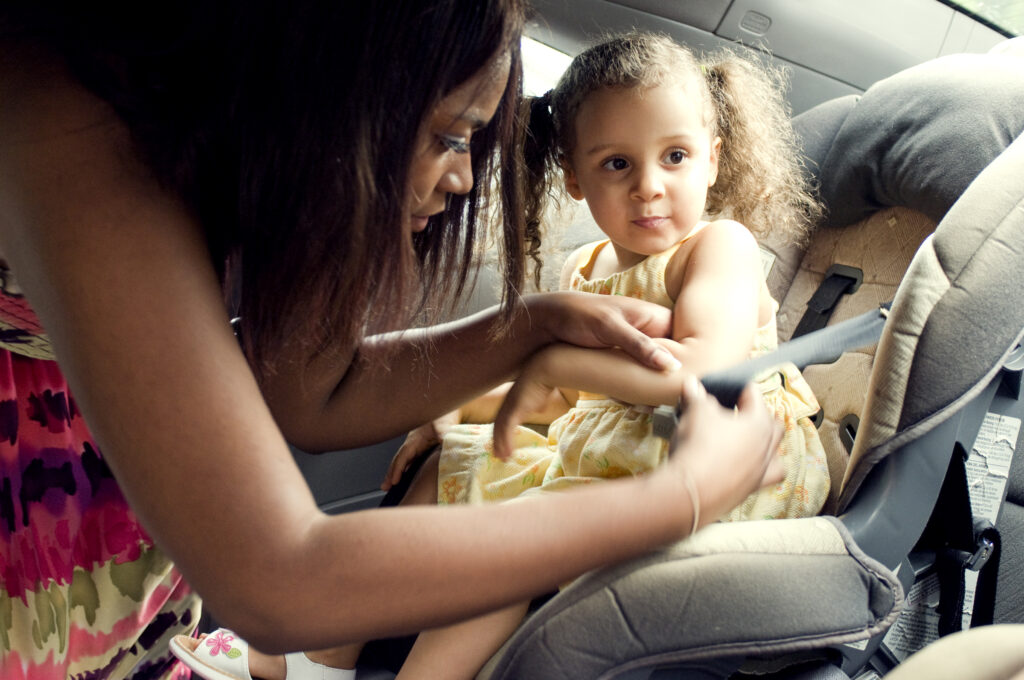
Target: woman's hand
419, 441
727, 453
603, 321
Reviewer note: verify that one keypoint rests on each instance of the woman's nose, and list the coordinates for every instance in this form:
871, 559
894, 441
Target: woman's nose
649, 184
458, 176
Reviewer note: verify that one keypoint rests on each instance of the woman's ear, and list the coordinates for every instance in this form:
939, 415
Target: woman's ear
572, 185
716, 148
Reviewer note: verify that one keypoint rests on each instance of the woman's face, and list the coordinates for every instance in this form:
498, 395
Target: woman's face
441, 163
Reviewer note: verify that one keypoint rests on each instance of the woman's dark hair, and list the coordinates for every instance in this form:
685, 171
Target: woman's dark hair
288, 128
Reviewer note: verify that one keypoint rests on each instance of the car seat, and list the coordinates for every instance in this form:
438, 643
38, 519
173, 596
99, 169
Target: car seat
815, 596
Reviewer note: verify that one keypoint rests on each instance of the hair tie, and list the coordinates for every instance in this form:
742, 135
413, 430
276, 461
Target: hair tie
541, 105
545, 101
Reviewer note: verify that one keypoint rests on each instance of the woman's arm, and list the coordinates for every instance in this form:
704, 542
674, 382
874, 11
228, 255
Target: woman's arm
120, 276
396, 382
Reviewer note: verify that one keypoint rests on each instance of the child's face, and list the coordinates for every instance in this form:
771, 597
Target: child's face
644, 160
441, 163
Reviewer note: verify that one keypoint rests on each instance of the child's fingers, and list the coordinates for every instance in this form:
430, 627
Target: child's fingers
412, 447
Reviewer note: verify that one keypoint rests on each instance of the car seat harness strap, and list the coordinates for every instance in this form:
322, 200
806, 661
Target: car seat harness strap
840, 279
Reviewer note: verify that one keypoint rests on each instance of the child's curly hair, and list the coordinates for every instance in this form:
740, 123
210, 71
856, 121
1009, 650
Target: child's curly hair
761, 181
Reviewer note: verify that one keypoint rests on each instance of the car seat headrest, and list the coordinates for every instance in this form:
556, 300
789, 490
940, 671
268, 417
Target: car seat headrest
916, 139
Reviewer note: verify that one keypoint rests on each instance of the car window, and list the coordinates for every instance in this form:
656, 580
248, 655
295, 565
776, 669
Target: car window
1004, 15
542, 67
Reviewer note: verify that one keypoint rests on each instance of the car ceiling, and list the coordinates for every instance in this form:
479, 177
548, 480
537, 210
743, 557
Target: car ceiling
829, 48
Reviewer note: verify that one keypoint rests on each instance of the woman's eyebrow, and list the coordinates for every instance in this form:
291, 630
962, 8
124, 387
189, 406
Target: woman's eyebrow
474, 121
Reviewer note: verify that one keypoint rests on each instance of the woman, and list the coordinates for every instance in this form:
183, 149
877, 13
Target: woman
331, 161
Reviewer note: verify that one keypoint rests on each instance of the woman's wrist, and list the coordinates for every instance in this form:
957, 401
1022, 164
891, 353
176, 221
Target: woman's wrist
541, 312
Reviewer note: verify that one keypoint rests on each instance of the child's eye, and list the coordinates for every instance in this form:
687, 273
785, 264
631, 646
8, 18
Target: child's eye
615, 164
453, 143
675, 157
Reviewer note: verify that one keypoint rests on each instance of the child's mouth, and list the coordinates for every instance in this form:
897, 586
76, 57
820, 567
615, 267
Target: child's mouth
648, 222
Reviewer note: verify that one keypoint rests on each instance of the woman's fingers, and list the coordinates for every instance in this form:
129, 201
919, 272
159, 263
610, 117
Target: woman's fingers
729, 453
603, 321
774, 472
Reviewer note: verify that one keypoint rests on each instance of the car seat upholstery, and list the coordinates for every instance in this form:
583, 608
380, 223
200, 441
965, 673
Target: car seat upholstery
931, 145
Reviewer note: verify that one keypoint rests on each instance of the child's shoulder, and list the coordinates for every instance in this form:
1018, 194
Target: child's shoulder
724, 234
717, 243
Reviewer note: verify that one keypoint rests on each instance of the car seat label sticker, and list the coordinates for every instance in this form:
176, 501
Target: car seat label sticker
918, 625
988, 467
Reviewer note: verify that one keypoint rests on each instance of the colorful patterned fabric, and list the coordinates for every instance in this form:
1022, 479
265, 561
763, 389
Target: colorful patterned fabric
601, 438
84, 594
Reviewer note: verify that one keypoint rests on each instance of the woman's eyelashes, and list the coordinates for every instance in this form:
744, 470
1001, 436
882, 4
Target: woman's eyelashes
454, 143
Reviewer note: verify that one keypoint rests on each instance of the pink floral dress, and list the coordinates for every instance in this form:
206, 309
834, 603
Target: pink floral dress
84, 594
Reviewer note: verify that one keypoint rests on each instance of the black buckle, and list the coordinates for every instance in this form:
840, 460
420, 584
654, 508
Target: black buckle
980, 557
984, 547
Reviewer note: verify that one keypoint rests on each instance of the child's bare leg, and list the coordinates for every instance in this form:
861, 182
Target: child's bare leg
459, 651
423, 489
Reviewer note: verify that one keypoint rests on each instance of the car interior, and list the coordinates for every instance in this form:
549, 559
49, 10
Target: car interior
910, 114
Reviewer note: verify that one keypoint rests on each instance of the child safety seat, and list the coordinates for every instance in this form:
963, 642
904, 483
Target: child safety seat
923, 178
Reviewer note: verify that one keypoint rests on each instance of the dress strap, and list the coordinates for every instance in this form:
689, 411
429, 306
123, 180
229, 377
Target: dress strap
589, 253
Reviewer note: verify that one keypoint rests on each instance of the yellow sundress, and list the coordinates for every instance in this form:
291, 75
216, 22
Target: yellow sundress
602, 438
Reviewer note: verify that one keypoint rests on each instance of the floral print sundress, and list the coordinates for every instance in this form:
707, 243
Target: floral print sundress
602, 438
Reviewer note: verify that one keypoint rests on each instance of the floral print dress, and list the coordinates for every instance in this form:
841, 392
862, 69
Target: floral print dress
602, 438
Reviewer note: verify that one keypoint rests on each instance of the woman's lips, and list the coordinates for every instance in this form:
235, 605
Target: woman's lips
419, 223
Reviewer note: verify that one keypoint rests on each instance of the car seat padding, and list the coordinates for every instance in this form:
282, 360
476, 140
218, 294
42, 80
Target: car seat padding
958, 307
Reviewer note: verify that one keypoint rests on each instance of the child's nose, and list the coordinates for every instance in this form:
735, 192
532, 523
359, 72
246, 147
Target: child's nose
649, 184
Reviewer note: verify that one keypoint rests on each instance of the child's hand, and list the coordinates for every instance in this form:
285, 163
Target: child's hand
529, 394
727, 453
416, 443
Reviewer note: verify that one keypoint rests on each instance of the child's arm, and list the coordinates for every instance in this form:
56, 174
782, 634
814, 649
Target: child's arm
484, 409
719, 286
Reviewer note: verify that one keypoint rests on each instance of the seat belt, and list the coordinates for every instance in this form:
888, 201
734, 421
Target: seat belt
818, 347
839, 280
